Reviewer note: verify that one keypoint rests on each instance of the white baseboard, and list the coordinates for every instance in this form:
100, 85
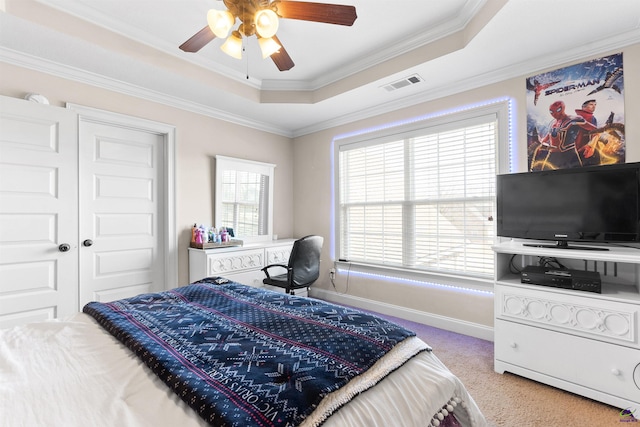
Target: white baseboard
447, 323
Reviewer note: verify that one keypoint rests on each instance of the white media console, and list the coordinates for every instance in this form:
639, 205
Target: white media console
583, 342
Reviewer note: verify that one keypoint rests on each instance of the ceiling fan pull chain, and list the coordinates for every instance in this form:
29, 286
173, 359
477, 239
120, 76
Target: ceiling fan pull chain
247, 56
244, 47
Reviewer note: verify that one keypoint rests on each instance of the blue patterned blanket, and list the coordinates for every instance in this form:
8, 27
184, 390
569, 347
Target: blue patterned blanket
242, 356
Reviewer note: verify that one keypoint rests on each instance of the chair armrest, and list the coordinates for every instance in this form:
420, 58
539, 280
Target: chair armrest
274, 265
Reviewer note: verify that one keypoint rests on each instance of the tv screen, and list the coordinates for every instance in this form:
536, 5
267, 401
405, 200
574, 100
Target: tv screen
590, 204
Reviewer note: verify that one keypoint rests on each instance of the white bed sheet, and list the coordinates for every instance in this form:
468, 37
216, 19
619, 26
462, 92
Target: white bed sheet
74, 373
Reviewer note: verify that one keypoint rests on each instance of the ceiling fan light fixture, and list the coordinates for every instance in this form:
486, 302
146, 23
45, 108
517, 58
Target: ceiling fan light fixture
233, 45
266, 22
220, 22
268, 46
260, 18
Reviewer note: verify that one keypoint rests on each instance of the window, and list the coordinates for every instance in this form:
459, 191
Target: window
243, 197
422, 198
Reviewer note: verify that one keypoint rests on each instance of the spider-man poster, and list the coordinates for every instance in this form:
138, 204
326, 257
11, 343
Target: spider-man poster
575, 115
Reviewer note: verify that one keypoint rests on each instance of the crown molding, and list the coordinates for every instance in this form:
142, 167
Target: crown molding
521, 69
513, 71
382, 54
66, 72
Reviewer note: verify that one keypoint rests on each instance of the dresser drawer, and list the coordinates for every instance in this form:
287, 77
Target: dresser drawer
278, 254
573, 313
222, 264
533, 348
608, 368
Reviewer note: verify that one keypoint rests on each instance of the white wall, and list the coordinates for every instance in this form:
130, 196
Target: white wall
472, 313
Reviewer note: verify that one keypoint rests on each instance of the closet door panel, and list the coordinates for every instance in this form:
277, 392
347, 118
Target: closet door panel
38, 212
121, 199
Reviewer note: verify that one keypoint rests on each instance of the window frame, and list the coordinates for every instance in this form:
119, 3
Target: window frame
224, 163
499, 109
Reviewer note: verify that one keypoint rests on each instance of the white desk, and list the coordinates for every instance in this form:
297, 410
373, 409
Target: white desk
241, 264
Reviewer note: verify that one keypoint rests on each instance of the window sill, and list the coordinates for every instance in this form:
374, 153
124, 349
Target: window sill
417, 277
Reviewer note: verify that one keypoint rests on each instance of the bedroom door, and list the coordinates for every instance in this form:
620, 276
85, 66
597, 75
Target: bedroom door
38, 212
122, 248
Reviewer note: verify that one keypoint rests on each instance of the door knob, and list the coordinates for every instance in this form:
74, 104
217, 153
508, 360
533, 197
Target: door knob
64, 247
87, 243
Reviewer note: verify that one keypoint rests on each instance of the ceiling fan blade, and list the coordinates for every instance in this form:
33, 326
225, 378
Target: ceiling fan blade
281, 58
198, 40
318, 12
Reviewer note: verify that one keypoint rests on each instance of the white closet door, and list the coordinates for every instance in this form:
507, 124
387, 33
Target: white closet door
122, 249
38, 212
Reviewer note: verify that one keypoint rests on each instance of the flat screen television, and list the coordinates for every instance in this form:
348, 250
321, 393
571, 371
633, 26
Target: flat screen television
589, 204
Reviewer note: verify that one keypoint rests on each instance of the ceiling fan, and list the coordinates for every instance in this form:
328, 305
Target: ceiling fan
260, 18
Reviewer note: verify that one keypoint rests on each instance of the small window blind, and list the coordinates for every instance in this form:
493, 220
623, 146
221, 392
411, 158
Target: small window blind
242, 195
423, 200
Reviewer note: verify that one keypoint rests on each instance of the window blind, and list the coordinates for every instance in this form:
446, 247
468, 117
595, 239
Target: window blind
242, 195
422, 200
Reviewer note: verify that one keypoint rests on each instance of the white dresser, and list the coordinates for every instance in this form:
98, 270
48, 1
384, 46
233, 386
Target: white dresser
241, 264
587, 343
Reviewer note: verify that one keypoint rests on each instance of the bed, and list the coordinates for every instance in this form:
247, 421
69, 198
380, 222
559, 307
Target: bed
220, 353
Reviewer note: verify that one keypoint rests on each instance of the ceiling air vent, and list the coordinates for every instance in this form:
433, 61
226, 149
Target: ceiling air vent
407, 81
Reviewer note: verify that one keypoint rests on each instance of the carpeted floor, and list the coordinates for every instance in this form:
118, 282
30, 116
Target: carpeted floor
506, 399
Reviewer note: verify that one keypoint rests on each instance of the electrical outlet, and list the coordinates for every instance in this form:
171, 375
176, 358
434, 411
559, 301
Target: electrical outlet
332, 273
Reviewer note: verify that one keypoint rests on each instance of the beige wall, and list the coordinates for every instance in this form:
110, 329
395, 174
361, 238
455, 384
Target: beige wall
312, 192
198, 140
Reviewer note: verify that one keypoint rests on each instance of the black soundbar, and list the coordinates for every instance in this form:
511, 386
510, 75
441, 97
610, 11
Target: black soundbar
578, 280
